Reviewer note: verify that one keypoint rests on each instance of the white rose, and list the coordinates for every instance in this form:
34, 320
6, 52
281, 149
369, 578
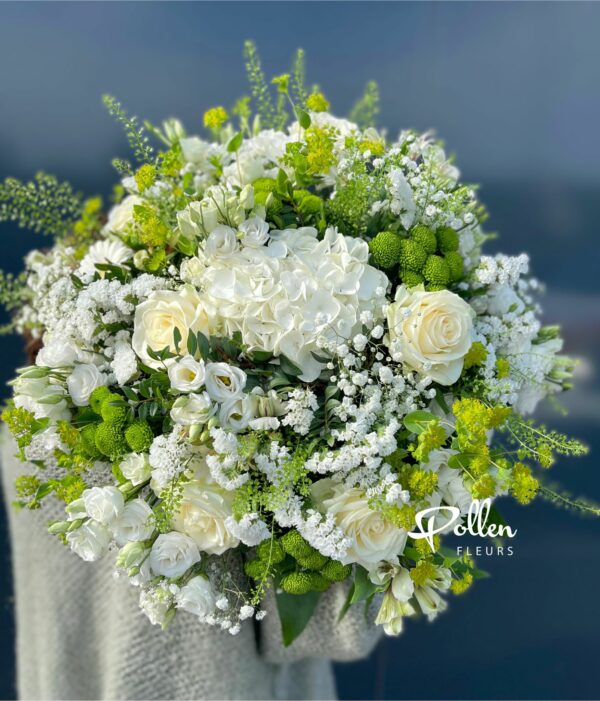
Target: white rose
192, 409
89, 541
373, 537
197, 597
121, 215
173, 554
163, 312
136, 522
84, 379
221, 242
235, 414
224, 381
187, 374
136, 468
191, 270
431, 331
202, 513
255, 232
103, 504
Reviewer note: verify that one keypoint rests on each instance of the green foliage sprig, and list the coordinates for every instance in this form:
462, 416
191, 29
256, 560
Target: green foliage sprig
367, 108
135, 133
43, 205
259, 86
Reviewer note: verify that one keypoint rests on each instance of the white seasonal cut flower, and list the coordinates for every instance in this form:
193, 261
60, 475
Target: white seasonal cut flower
373, 538
157, 318
197, 597
202, 513
221, 242
134, 523
192, 409
108, 251
57, 353
84, 379
121, 215
103, 504
255, 232
173, 554
235, 414
431, 332
136, 468
224, 381
187, 374
89, 541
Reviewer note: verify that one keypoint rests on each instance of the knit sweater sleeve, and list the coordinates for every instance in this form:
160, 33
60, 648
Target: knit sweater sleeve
352, 638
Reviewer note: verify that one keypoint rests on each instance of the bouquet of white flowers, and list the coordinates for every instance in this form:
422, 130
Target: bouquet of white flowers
283, 341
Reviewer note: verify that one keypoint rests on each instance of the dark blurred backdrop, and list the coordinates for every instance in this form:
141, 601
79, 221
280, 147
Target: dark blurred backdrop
514, 89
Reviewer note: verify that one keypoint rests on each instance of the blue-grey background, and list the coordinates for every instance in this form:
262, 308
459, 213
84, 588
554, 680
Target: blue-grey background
514, 89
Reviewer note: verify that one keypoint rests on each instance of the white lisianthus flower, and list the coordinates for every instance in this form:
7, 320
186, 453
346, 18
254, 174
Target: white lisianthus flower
191, 270
186, 374
224, 381
431, 332
90, 541
203, 510
110, 251
173, 554
221, 242
136, 522
84, 379
157, 318
156, 603
192, 409
57, 353
103, 504
235, 414
43, 398
373, 537
136, 468
255, 232
197, 597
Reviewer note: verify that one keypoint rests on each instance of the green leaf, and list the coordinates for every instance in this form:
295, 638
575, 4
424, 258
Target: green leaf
192, 343
363, 586
303, 117
347, 603
460, 461
203, 345
416, 421
294, 613
289, 367
235, 142
176, 338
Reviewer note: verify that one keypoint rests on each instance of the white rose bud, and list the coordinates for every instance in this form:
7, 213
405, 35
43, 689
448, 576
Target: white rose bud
173, 554
224, 381
103, 504
187, 374
136, 522
84, 379
89, 541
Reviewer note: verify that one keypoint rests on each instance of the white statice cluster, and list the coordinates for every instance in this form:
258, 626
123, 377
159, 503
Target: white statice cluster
278, 348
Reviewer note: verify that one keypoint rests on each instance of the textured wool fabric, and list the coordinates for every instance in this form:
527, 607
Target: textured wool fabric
81, 635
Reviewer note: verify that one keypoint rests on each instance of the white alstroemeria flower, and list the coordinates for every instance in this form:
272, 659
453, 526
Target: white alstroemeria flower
187, 374
84, 379
197, 597
136, 522
103, 504
89, 541
173, 554
224, 381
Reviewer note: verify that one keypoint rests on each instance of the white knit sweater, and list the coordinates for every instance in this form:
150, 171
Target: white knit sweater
80, 634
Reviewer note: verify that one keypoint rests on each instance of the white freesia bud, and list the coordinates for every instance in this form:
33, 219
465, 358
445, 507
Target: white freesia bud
197, 597
103, 504
84, 379
136, 468
224, 381
89, 541
187, 374
173, 554
192, 409
136, 522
